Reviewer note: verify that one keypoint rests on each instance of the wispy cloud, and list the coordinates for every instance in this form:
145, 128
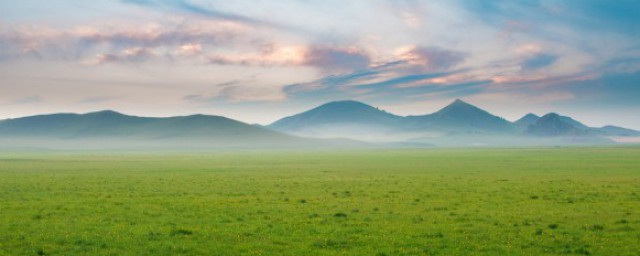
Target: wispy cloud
337, 59
127, 55
327, 59
431, 58
33, 99
187, 7
97, 99
114, 42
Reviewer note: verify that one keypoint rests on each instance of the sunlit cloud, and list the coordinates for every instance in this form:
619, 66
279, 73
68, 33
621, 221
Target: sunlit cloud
121, 41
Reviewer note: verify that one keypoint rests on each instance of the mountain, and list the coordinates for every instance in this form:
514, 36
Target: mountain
121, 130
523, 123
611, 130
552, 125
338, 123
461, 117
573, 122
457, 124
339, 119
556, 125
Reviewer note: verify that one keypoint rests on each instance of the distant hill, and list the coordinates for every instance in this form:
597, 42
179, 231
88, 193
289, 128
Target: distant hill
555, 125
121, 130
339, 119
611, 130
338, 123
457, 124
523, 123
462, 117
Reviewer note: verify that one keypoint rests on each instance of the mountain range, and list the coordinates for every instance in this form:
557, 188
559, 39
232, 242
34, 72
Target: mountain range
454, 124
339, 123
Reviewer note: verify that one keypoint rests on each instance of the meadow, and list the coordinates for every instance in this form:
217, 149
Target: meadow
535, 201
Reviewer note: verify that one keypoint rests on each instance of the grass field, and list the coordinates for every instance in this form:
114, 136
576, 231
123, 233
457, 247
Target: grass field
580, 201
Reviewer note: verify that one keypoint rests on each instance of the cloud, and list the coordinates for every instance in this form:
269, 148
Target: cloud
96, 99
238, 93
209, 12
332, 59
617, 88
118, 41
182, 35
386, 82
130, 55
431, 58
538, 61
414, 70
327, 59
212, 42
398, 82
252, 94
191, 48
33, 99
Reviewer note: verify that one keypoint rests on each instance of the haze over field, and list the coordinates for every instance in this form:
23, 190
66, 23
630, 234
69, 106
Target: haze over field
258, 61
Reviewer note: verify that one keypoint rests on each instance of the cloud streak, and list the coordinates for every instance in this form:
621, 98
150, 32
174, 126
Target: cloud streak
431, 58
114, 42
188, 7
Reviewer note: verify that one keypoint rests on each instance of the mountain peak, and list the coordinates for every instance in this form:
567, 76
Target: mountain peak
461, 116
347, 112
524, 122
553, 124
528, 119
459, 102
460, 107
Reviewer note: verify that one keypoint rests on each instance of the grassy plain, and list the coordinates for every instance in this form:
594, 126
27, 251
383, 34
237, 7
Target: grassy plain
576, 201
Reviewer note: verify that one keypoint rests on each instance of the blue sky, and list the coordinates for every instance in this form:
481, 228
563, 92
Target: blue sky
258, 61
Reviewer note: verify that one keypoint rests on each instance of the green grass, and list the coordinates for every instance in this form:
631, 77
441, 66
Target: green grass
574, 201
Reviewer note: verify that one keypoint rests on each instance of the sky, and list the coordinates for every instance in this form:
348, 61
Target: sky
258, 61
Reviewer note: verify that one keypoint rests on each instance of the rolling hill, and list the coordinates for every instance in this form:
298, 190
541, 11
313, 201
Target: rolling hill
611, 130
112, 129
